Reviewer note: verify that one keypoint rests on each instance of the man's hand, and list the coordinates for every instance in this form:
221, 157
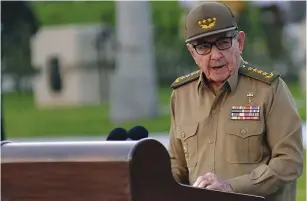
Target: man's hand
210, 181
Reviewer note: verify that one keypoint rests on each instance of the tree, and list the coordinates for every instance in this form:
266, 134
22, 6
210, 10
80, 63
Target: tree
18, 26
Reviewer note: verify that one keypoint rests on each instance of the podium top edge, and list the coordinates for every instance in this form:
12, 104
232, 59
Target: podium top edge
69, 151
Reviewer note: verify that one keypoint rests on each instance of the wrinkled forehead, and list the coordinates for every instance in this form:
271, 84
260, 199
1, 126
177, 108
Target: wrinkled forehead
212, 38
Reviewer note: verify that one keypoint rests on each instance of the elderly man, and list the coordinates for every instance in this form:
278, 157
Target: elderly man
234, 127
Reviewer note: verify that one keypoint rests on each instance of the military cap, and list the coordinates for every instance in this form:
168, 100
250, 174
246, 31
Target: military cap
207, 19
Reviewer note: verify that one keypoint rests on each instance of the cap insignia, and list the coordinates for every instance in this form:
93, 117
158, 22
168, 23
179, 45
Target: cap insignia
207, 23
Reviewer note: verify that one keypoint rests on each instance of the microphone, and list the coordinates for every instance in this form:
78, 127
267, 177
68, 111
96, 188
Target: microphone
137, 133
117, 134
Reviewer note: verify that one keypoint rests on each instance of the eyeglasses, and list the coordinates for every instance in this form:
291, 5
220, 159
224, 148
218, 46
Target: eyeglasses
221, 44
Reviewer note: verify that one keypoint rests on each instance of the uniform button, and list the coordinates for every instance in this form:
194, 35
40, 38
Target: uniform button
243, 131
182, 135
185, 152
213, 111
210, 140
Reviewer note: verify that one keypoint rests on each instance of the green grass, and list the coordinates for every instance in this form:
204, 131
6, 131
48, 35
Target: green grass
23, 119
66, 12
300, 99
165, 13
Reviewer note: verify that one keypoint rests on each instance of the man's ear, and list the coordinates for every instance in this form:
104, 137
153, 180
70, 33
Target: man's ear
241, 39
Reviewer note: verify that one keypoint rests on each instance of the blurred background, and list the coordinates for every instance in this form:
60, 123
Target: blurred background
79, 69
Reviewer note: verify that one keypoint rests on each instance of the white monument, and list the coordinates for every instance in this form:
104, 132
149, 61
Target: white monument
72, 51
133, 89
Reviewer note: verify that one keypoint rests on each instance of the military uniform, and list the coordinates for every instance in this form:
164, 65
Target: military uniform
249, 133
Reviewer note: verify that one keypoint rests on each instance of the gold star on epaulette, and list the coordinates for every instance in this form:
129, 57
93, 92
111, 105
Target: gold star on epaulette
186, 79
258, 74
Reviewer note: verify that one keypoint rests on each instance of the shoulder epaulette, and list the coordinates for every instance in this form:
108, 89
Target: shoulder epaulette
258, 74
185, 79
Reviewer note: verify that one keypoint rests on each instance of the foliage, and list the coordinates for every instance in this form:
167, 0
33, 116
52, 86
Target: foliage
16, 53
166, 15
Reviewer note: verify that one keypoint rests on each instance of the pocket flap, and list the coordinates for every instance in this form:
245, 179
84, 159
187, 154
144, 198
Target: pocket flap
186, 131
245, 129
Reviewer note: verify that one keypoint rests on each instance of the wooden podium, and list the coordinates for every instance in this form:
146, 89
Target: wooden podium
96, 171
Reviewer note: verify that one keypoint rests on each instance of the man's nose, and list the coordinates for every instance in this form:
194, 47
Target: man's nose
215, 53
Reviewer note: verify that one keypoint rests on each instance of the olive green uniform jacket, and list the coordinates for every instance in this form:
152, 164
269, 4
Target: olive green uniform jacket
249, 134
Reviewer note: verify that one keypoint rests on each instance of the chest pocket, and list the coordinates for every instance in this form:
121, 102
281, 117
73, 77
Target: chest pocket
244, 141
188, 136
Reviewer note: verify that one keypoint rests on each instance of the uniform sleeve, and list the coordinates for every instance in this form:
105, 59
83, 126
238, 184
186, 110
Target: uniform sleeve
178, 162
284, 136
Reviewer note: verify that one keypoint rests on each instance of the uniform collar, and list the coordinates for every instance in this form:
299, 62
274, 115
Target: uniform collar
202, 81
232, 81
